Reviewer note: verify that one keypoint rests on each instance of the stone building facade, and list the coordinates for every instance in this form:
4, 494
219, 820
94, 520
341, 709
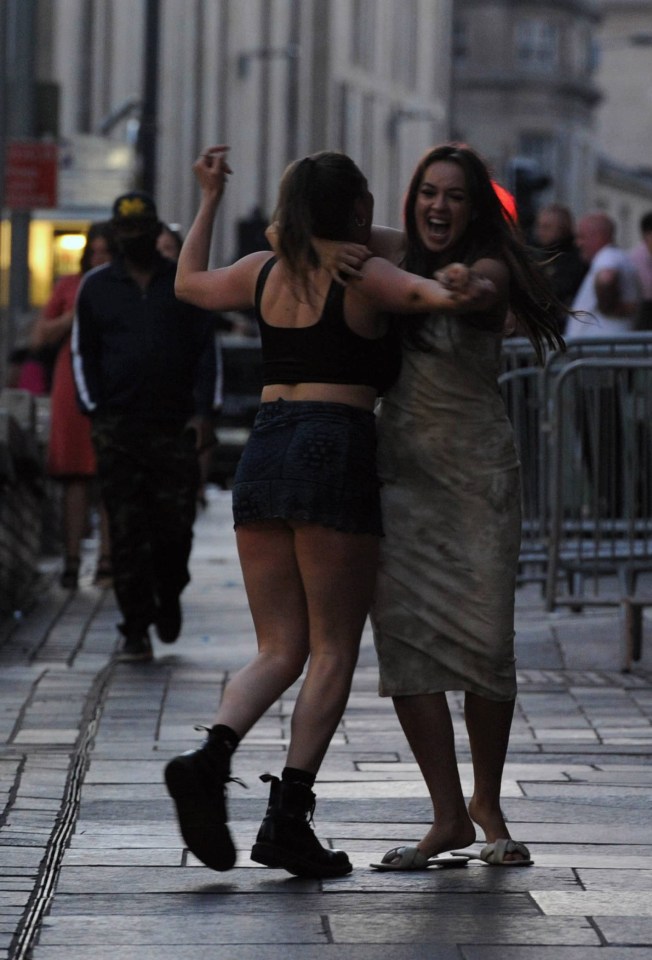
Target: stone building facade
524, 87
275, 79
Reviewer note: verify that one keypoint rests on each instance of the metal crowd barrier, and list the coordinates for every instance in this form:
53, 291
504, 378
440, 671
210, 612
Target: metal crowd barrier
583, 427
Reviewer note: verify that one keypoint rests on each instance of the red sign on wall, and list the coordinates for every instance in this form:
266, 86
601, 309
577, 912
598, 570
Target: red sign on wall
31, 175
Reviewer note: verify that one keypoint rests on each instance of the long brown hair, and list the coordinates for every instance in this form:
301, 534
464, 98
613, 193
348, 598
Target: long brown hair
101, 228
491, 233
316, 198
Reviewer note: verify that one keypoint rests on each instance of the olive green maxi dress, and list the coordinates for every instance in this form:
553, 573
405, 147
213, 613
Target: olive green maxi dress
443, 613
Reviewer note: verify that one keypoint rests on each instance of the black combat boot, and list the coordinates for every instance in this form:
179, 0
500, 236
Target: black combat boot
196, 781
286, 839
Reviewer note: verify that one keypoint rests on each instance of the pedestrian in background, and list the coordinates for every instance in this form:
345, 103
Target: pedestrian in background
641, 257
70, 456
168, 244
607, 304
560, 259
608, 300
137, 354
305, 497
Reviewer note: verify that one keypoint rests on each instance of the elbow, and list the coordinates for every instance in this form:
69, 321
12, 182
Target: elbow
180, 289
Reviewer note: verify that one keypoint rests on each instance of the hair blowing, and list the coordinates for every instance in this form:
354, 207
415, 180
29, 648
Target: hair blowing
490, 233
316, 198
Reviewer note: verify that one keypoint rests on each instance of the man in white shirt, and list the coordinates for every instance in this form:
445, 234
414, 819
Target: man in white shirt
609, 295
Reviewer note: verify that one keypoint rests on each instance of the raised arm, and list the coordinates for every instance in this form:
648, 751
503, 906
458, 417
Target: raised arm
227, 288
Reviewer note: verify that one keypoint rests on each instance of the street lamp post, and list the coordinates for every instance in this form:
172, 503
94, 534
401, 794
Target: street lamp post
19, 57
149, 117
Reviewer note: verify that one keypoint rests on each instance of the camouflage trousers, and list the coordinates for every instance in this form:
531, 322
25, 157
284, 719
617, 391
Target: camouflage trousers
149, 477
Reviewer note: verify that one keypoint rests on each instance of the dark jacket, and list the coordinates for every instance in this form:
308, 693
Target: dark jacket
142, 354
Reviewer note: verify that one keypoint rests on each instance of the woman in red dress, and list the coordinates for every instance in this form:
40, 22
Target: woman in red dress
71, 458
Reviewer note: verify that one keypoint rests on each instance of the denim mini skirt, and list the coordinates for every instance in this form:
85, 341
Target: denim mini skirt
310, 461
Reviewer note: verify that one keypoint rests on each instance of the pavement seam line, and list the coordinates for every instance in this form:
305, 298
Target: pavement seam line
22, 713
44, 889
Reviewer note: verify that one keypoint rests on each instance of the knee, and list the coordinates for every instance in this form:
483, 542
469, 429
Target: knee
287, 663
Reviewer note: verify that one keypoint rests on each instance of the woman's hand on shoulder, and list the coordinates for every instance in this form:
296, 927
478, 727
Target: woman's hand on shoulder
342, 259
345, 260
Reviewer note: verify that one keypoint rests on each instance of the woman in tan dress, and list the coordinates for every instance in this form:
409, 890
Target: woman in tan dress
443, 613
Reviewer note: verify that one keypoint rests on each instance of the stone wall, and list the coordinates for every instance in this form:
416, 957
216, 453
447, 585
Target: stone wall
28, 509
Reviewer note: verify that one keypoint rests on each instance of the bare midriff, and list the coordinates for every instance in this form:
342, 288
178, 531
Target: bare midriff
355, 395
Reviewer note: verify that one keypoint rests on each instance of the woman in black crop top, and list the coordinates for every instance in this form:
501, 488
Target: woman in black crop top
305, 499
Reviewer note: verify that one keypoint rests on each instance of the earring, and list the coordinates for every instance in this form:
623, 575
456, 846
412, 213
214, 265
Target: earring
360, 222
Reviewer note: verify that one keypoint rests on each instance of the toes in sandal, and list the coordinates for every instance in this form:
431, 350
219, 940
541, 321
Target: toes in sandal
493, 854
411, 858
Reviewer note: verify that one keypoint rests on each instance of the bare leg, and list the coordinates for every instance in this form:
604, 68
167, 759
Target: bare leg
338, 571
488, 723
309, 590
278, 607
427, 724
105, 539
75, 514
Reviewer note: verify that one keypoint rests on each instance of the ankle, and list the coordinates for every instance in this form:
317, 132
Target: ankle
223, 737
294, 775
489, 817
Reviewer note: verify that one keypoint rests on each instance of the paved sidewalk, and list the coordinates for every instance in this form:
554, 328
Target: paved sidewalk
92, 866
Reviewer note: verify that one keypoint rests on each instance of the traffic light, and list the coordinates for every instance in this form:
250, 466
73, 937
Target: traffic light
526, 180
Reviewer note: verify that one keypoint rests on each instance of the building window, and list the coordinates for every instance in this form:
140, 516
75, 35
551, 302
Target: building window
537, 44
405, 43
363, 33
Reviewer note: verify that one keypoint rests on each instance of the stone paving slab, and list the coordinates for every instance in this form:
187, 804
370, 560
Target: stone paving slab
529, 952
577, 903
219, 928
423, 927
625, 931
328, 951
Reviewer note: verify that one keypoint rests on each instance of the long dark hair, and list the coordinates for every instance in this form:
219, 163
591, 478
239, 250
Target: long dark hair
316, 198
491, 233
102, 228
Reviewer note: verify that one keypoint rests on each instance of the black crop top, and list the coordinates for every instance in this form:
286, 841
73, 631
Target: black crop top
327, 351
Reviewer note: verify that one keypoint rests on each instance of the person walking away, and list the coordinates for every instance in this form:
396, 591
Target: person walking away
305, 495
70, 455
136, 355
607, 302
559, 257
168, 244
